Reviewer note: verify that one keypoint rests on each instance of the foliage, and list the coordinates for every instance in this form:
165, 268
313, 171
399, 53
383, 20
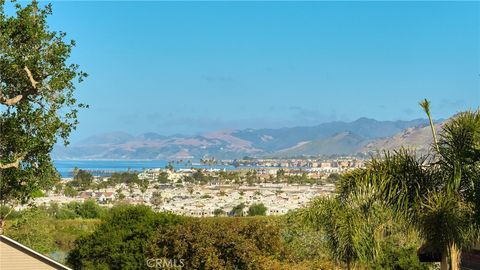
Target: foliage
120, 241
403, 178
435, 195
69, 191
38, 229
363, 231
163, 178
237, 211
82, 180
89, 209
200, 177
220, 243
37, 194
37, 103
453, 203
169, 167
156, 199
368, 214
218, 212
443, 221
257, 210
303, 242
129, 178
124, 178
9, 212
334, 178
34, 229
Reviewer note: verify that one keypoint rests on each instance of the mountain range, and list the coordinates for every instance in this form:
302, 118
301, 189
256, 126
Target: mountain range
361, 136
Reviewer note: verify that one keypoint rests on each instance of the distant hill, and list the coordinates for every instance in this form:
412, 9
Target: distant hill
360, 136
342, 143
272, 140
416, 138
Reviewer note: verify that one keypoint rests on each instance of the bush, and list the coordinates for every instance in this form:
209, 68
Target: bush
120, 241
257, 210
33, 228
237, 211
88, 210
38, 229
12, 213
219, 212
82, 179
220, 243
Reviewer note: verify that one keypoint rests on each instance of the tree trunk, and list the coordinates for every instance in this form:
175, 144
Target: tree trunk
444, 262
455, 257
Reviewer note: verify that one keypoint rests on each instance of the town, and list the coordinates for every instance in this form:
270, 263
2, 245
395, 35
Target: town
274, 185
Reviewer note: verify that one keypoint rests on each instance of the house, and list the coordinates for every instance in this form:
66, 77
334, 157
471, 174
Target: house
15, 256
105, 197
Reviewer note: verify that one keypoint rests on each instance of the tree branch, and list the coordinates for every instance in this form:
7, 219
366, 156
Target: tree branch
10, 101
30, 77
14, 164
17, 98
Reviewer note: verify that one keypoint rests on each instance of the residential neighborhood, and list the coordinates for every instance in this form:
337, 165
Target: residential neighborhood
279, 185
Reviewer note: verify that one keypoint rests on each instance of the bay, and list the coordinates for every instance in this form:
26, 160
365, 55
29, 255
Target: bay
106, 167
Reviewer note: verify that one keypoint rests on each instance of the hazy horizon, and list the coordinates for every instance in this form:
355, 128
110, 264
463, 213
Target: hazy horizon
233, 129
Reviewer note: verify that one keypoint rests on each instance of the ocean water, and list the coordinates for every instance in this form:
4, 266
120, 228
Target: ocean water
105, 167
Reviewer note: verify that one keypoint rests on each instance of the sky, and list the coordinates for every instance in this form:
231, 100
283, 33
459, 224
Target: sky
194, 67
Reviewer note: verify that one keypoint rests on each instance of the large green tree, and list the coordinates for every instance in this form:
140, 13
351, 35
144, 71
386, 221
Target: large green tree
37, 103
121, 240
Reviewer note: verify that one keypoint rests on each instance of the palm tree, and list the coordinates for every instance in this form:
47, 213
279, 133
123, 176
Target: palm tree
329, 216
360, 228
449, 213
438, 195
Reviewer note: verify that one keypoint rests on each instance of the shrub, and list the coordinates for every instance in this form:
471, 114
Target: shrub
220, 243
120, 241
257, 210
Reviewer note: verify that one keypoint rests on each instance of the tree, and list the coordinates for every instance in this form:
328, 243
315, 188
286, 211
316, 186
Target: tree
70, 191
170, 167
163, 178
363, 229
251, 177
37, 103
438, 194
280, 175
156, 199
120, 241
128, 178
82, 180
218, 212
257, 210
449, 216
333, 177
88, 209
237, 211
200, 177
33, 228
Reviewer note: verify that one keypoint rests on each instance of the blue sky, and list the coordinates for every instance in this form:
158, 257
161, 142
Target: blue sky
192, 67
